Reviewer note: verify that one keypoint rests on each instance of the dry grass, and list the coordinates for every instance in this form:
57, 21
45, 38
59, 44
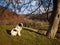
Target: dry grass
28, 37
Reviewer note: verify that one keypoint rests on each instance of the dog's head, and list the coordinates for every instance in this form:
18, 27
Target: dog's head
20, 24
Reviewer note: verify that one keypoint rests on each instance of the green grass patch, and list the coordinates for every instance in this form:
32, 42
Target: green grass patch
28, 37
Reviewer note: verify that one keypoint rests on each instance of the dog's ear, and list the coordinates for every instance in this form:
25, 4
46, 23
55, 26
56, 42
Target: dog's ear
19, 24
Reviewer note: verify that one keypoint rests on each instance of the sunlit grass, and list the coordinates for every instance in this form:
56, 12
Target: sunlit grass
27, 38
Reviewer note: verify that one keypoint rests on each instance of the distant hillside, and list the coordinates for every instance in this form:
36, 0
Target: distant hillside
8, 17
39, 17
12, 18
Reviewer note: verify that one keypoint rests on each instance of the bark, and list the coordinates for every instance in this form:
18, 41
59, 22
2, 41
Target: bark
55, 24
54, 28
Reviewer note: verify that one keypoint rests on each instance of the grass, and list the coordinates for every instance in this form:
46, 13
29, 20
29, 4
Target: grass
28, 37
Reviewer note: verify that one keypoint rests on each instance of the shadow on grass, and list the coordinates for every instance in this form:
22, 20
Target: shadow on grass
32, 31
8, 31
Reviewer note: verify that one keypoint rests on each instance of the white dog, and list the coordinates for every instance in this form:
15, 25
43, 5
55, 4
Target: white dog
17, 30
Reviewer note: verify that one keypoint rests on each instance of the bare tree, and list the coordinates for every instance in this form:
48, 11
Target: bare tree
16, 3
55, 22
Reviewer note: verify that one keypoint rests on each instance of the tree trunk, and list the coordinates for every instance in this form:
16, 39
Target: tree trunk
54, 27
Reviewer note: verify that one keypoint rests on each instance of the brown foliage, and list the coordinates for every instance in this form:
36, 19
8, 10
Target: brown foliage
8, 17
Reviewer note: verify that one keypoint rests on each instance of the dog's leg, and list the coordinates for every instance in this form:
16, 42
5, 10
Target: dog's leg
19, 34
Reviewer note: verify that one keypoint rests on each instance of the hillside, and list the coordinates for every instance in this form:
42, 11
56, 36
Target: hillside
8, 17
28, 37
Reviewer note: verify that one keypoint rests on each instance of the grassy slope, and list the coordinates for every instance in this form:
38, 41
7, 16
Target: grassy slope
27, 38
